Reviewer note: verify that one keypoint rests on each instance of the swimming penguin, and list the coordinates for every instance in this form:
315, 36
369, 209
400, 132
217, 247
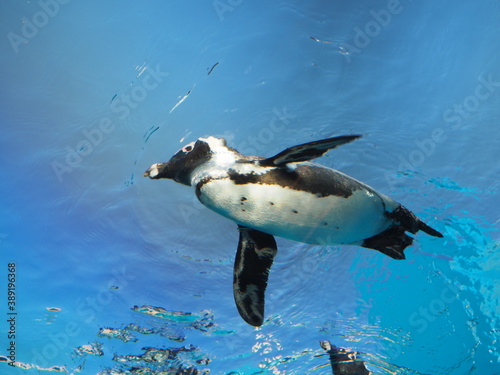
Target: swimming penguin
287, 196
344, 362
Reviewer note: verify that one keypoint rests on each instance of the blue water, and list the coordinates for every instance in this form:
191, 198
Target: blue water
95, 92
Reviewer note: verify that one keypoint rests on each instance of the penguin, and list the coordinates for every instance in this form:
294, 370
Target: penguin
344, 362
288, 196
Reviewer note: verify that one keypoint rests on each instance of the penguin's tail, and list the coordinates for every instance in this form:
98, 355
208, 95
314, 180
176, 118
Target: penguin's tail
394, 240
406, 219
427, 229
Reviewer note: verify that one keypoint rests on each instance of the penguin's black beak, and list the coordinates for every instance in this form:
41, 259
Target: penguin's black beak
158, 170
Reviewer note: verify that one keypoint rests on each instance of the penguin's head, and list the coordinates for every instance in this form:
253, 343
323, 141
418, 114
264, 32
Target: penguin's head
181, 166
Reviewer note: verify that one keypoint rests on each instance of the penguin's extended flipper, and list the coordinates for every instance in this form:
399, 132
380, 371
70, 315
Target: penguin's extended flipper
306, 151
254, 258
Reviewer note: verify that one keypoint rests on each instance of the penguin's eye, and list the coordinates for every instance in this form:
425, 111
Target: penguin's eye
188, 148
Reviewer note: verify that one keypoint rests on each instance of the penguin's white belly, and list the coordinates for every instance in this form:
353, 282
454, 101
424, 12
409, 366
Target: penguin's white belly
298, 215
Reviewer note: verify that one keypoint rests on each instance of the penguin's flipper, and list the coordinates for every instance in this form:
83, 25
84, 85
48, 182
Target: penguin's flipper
306, 151
254, 258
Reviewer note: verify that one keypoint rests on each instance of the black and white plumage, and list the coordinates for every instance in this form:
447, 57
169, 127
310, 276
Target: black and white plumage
344, 362
290, 197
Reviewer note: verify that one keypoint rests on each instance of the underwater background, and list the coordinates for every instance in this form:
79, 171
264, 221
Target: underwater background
117, 274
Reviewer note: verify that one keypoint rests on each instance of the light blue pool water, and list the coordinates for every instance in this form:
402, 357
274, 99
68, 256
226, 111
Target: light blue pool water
112, 269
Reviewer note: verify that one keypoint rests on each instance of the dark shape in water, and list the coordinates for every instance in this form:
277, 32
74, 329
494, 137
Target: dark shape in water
344, 362
212, 68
